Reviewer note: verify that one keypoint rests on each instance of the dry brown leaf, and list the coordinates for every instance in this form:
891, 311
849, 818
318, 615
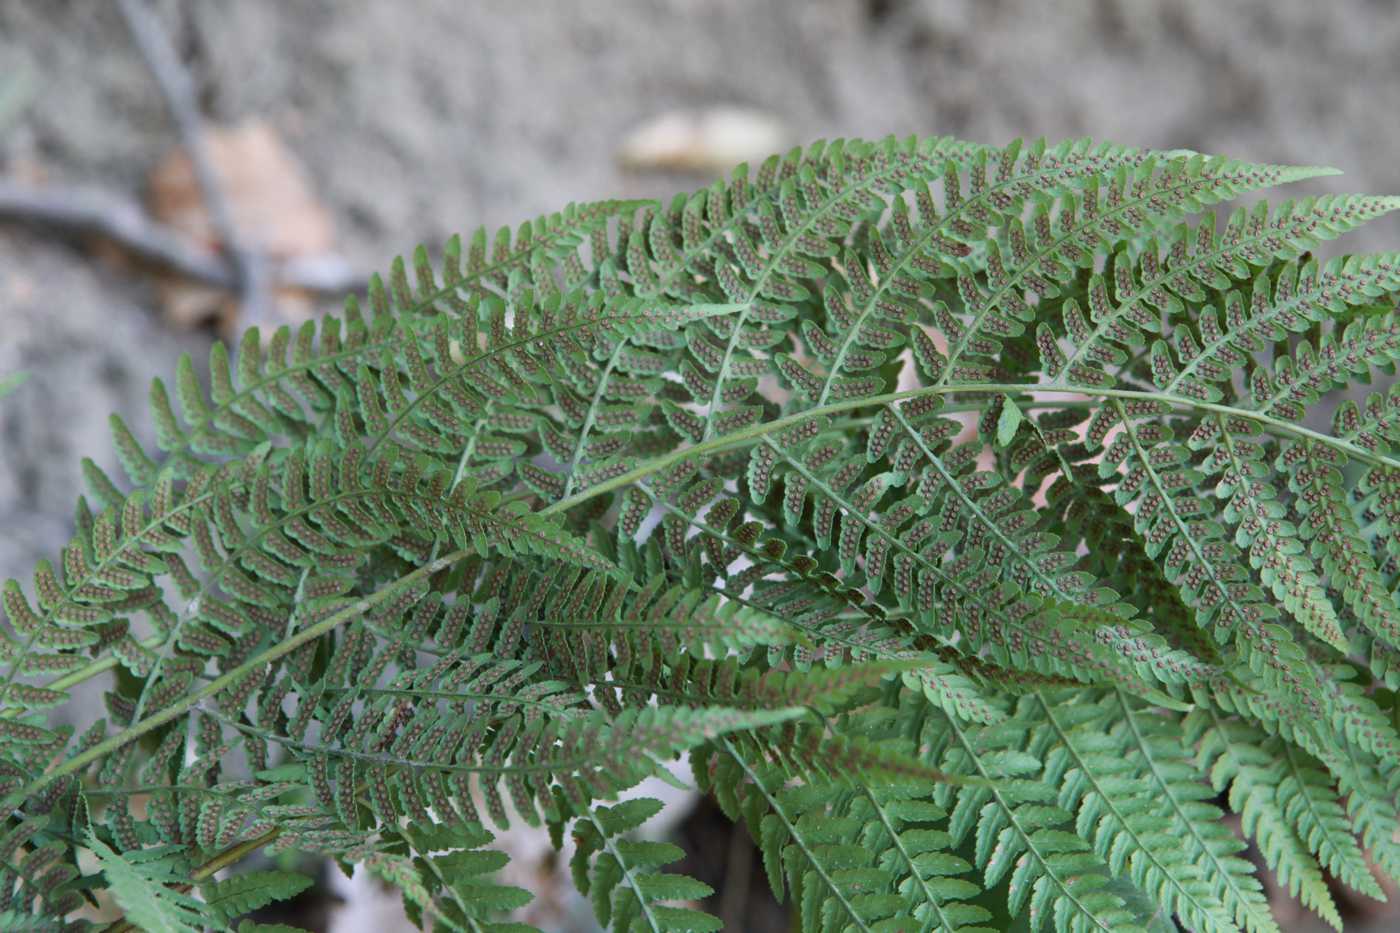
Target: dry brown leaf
705, 141
273, 208
268, 192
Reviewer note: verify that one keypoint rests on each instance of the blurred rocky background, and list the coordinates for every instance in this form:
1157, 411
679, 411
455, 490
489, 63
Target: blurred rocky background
343, 132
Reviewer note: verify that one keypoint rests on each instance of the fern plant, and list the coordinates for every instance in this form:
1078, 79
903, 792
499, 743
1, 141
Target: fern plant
968, 516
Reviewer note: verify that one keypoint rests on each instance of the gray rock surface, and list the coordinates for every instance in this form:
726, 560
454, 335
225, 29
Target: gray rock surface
90, 343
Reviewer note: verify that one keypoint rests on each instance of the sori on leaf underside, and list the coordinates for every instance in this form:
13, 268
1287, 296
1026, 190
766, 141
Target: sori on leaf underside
982, 524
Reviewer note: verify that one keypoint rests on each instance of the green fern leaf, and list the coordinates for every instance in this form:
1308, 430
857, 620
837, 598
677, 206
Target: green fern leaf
621, 876
963, 513
240, 894
143, 883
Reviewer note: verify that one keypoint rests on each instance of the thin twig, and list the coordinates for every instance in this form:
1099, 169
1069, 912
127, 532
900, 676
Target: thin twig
88, 211
249, 267
93, 212
241, 269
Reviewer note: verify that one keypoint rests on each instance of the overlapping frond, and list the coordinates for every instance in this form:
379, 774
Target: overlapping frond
1095, 758
621, 878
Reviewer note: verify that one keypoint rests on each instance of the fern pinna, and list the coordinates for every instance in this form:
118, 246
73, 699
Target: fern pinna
968, 516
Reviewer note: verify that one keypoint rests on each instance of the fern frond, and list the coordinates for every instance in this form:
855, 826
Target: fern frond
1103, 217
454, 855
1310, 803
587, 756
969, 516
767, 263
812, 857
239, 894
1019, 829
1247, 761
1275, 547
1096, 767
1370, 803
280, 389
1297, 381
1206, 840
1198, 559
1329, 525
1149, 293
35, 877
858, 639
920, 582
620, 876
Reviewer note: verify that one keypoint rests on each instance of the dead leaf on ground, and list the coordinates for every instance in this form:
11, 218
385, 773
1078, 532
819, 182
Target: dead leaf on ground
705, 141
273, 206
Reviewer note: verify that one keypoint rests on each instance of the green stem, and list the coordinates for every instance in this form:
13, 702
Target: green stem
739, 438
577, 765
95, 667
470, 447
592, 415
478, 696
755, 432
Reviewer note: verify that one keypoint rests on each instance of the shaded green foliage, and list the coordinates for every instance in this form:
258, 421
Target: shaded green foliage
963, 515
